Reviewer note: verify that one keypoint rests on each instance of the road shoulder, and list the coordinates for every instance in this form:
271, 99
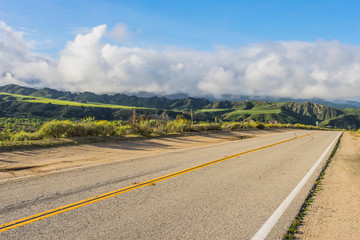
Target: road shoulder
335, 211
37, 161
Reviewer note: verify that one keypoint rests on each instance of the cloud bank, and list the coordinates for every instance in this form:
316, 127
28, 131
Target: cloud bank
288, 69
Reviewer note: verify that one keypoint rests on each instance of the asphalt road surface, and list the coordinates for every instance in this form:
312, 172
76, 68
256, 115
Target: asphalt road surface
223, 191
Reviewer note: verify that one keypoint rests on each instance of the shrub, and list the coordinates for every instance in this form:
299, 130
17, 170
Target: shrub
272, 125
122, 130
206, 126
56, 128
148, 126
102, 128
230, 126
213, 126
88, 127
26, 136
4, 136
226, 126
144, 126
236, 125
161, 129
260, 126
180, 125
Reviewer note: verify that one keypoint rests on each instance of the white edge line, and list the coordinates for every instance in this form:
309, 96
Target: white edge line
126, 159
270, 223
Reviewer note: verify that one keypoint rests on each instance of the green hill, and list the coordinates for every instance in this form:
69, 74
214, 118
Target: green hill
117, 99
21, 101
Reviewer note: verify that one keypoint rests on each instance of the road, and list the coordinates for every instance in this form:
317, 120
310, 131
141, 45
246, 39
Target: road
235, 188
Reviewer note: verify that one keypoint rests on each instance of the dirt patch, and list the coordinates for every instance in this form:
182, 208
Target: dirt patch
36, 161
335, 211
13, 169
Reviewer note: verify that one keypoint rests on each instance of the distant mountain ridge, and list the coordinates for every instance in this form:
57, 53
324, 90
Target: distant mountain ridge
240, 98
120, 99
145, 99
203, 109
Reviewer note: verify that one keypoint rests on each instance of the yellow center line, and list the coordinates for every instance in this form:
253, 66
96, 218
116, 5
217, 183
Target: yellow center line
55, 211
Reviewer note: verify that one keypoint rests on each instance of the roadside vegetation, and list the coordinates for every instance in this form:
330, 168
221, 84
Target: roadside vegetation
30, 131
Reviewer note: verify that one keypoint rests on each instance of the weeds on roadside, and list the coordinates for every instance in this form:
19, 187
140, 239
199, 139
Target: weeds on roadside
139, 125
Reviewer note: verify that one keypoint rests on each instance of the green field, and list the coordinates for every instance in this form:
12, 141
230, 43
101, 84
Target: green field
352, 111
256, 111
213, 110
68, 103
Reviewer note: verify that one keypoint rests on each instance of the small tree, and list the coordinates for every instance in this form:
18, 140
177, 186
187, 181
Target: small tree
192, 117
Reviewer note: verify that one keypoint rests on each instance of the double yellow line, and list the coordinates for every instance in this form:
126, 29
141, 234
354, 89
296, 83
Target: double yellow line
55, 211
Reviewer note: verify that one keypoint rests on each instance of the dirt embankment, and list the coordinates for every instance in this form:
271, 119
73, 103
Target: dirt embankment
335, 211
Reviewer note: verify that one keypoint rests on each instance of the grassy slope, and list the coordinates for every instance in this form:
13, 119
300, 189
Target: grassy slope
352, 111
288, 112
213, 110
68, 103
261, 111
254, 110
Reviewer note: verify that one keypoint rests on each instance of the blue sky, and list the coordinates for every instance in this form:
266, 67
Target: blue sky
201, 25
299, 49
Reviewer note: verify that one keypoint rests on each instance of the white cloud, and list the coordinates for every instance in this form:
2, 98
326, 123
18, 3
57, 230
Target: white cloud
12, 45
291, 69
81, 63
19, 65
120, 33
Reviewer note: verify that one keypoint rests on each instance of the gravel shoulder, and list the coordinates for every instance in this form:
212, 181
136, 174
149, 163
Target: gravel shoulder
335, 211
42, 160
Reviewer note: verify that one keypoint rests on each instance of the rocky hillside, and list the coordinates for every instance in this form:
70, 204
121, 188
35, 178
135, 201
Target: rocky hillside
313, 110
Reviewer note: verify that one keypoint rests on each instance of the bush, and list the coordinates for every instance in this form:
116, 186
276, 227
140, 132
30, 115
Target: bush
147, 127
88, 127
102, 128
144, 127
161, 127
4, 136
272, 125
236, 125
26, 136
122, 130
57, 129
260, 126
231, 126
206, 126
180, 125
